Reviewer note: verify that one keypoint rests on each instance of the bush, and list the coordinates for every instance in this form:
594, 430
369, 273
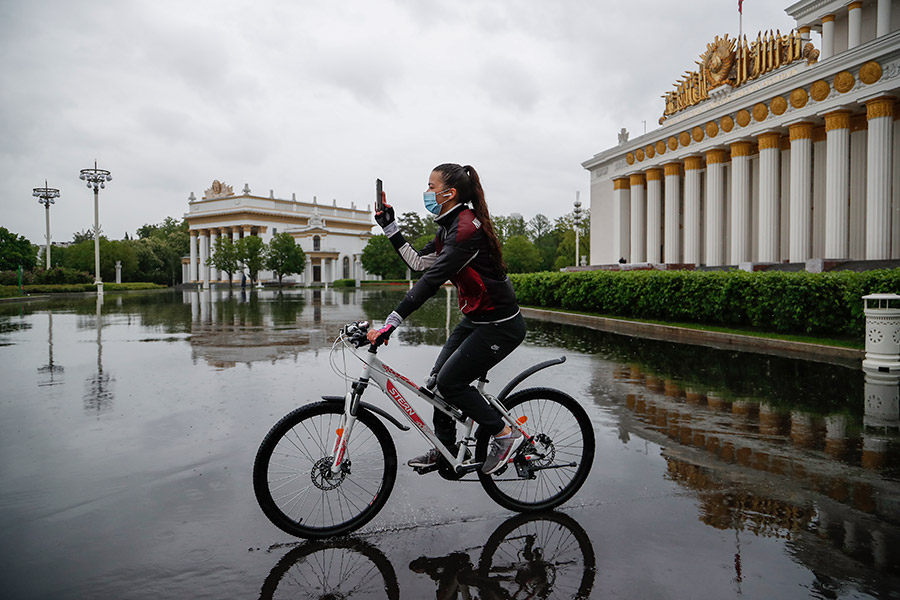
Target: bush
344, 283
802, 303
60, 275
12, 278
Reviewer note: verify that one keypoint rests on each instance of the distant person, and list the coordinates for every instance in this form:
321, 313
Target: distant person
465, 251
243, 281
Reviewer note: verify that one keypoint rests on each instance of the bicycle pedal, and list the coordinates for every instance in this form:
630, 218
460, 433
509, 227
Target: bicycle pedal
424, 470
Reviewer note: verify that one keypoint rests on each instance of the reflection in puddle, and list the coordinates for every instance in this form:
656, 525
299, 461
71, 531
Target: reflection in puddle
528, 556
51, 369
771, 470
99, 396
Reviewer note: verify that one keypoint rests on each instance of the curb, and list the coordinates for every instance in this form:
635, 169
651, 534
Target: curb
849, 357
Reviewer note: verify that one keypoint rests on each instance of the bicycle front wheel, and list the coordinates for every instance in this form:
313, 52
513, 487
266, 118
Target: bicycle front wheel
292, 473
555, 459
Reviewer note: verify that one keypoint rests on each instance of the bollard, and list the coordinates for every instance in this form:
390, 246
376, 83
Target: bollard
882, 332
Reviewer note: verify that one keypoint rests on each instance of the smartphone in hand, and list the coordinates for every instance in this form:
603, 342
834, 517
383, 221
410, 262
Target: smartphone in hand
379, 196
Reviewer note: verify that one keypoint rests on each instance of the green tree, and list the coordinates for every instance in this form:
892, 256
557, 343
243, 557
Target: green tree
82, 236
380, 258
284, 256
225, 257
414, 226
252, 252
520, 255
16, 250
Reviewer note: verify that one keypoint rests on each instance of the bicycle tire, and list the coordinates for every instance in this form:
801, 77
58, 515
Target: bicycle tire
340, 568
561, 432
305, 503
553, 540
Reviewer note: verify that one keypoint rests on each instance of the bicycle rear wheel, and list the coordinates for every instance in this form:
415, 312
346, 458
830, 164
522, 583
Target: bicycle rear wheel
292, 475
552, 463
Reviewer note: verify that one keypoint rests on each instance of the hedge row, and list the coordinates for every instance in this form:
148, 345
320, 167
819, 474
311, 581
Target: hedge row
55, 275
800, 303
7, 291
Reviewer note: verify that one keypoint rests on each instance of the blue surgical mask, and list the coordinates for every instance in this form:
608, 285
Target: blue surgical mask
431, 203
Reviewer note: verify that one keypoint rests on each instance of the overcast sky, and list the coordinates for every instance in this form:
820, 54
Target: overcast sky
319, 98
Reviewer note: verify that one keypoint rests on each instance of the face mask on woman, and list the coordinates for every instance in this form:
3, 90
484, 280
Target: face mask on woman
431, 203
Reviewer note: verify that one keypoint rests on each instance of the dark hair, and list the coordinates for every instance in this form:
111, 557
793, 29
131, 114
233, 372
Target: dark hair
468, 186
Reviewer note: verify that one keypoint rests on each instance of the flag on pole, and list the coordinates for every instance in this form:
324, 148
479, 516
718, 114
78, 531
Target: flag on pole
741, 6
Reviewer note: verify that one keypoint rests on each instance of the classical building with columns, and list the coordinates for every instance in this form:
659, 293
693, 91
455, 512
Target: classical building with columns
772, 151
332, 237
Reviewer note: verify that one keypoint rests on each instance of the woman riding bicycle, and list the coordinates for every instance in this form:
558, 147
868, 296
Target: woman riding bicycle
466, 252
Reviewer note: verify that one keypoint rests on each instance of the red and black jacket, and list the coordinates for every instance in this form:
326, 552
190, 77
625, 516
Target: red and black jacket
460, 253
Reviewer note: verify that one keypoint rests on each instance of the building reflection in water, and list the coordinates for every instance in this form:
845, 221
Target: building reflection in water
774, 470
99, 396
51, 370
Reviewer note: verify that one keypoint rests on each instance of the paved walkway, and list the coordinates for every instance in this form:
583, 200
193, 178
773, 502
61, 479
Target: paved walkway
850, 357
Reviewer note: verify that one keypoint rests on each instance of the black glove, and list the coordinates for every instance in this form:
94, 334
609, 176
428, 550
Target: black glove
385, 217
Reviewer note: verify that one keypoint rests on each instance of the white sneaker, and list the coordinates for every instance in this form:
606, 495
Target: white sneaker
500, 451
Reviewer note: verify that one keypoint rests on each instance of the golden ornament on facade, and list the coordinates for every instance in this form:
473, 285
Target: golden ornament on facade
768, 140
672, 169
870, 72
621, 183
799, 98
778, 105
743, 118
629, 158
844, 81
741, 149
715, 156
760, 111
636, 179
880, 107
839, 119
654, 174
819, 90
727, 124
673, 143
697, 134
693, 163
650, 151
685, 138
639, 155
660, 147
712, 130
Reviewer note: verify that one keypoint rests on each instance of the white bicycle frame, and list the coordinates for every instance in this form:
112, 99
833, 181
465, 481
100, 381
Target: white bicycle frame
384, 377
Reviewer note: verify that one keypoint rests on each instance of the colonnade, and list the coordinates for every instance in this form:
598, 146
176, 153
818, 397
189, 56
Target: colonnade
813, 191
854, 26
202, 243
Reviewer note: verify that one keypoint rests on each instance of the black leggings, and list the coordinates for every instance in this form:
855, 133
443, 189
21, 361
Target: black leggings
470, 351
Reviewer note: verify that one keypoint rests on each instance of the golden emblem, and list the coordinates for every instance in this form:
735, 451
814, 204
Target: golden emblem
799, 98
870, 72
660, 147
727, 124
685, 138
760, 111
712, 130
779, 105
819, 90
844, 82
743, 117
717, 61
697, 134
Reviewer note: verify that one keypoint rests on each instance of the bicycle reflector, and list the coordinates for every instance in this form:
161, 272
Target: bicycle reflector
522, 420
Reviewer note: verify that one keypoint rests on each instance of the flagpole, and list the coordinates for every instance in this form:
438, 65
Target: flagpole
740, 23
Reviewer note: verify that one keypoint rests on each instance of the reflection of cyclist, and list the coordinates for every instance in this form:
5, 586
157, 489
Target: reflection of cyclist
465, 251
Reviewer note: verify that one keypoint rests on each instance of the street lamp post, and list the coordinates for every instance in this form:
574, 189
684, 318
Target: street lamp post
46, 196
96, 178
577, 219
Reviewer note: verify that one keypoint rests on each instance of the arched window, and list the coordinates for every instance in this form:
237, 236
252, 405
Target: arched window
346, 267
317, 243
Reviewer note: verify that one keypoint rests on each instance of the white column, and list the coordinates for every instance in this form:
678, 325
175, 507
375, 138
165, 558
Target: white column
654, 215
204, 255
801, 190
233, 235
880, 113
672, 237
895, 202
827, 37
858, 149
715, 207
854, 24
213, 272
769, 188
193, 265
692, 194
819, 173
784, 250
622, 209
638, 218
837, 184
740, 202
883, 26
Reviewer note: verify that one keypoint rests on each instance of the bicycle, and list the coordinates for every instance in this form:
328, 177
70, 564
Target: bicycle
327, 468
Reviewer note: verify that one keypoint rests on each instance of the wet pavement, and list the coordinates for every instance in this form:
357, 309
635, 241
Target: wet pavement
128, 430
